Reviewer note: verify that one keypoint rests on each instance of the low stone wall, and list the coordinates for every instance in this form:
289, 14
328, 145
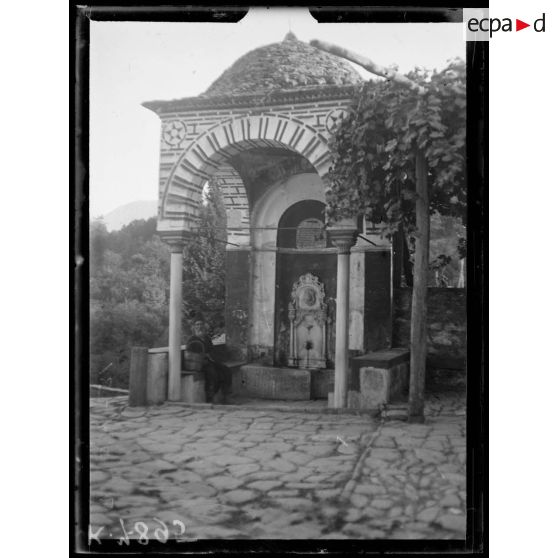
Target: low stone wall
267, 382
447, 329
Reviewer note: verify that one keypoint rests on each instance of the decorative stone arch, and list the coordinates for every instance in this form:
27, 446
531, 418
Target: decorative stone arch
182, 192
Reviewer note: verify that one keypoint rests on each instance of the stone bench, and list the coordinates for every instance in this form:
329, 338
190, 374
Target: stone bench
383, 378
192, 382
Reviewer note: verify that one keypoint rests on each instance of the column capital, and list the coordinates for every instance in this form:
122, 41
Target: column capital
175, 239
343, 239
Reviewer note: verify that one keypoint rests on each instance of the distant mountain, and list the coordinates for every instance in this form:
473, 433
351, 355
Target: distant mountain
125, 214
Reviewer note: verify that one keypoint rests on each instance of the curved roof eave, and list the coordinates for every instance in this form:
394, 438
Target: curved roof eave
259, 100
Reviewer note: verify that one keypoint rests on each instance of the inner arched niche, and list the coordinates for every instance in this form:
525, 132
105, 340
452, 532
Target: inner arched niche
303, 226
305, 261
266, 214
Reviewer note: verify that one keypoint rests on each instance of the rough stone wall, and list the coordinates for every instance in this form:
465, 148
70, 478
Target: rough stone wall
446, 323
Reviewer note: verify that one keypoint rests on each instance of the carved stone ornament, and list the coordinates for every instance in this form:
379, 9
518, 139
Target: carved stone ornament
308, 323
333, 119
174, 132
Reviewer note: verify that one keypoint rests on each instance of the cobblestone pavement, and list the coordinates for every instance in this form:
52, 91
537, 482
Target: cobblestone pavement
241, 473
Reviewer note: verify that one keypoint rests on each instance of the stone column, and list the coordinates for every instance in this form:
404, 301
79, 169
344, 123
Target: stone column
176, 244
343, 235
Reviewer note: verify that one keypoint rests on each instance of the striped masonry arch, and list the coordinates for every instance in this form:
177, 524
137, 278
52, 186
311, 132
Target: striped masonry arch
204, 157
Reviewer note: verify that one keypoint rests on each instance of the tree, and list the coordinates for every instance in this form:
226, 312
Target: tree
98, 243
399, 156
129, 286
204, 265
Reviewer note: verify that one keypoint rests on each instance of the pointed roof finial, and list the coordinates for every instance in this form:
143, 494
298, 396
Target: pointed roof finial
290, 36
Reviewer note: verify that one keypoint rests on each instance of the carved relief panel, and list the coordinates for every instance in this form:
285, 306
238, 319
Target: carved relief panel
308, 323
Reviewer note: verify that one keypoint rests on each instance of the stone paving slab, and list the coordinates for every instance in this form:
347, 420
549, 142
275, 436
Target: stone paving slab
242, 473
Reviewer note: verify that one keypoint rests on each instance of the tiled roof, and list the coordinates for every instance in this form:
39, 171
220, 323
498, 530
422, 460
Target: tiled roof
291, 64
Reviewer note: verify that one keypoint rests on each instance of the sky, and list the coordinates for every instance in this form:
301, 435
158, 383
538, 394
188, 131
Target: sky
133, 62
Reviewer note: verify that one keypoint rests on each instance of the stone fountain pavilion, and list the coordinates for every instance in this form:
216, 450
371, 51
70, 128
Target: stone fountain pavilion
307, 306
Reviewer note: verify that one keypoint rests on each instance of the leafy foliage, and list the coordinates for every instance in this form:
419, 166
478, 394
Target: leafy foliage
129, 288
375, 146
380, 152
128, 296
204, 266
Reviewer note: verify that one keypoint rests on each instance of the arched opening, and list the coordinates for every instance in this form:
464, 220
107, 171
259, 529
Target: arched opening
302, 226
304, 333
224, 142
257, 185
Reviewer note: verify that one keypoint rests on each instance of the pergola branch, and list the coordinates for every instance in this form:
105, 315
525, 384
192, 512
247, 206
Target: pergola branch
368, 64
